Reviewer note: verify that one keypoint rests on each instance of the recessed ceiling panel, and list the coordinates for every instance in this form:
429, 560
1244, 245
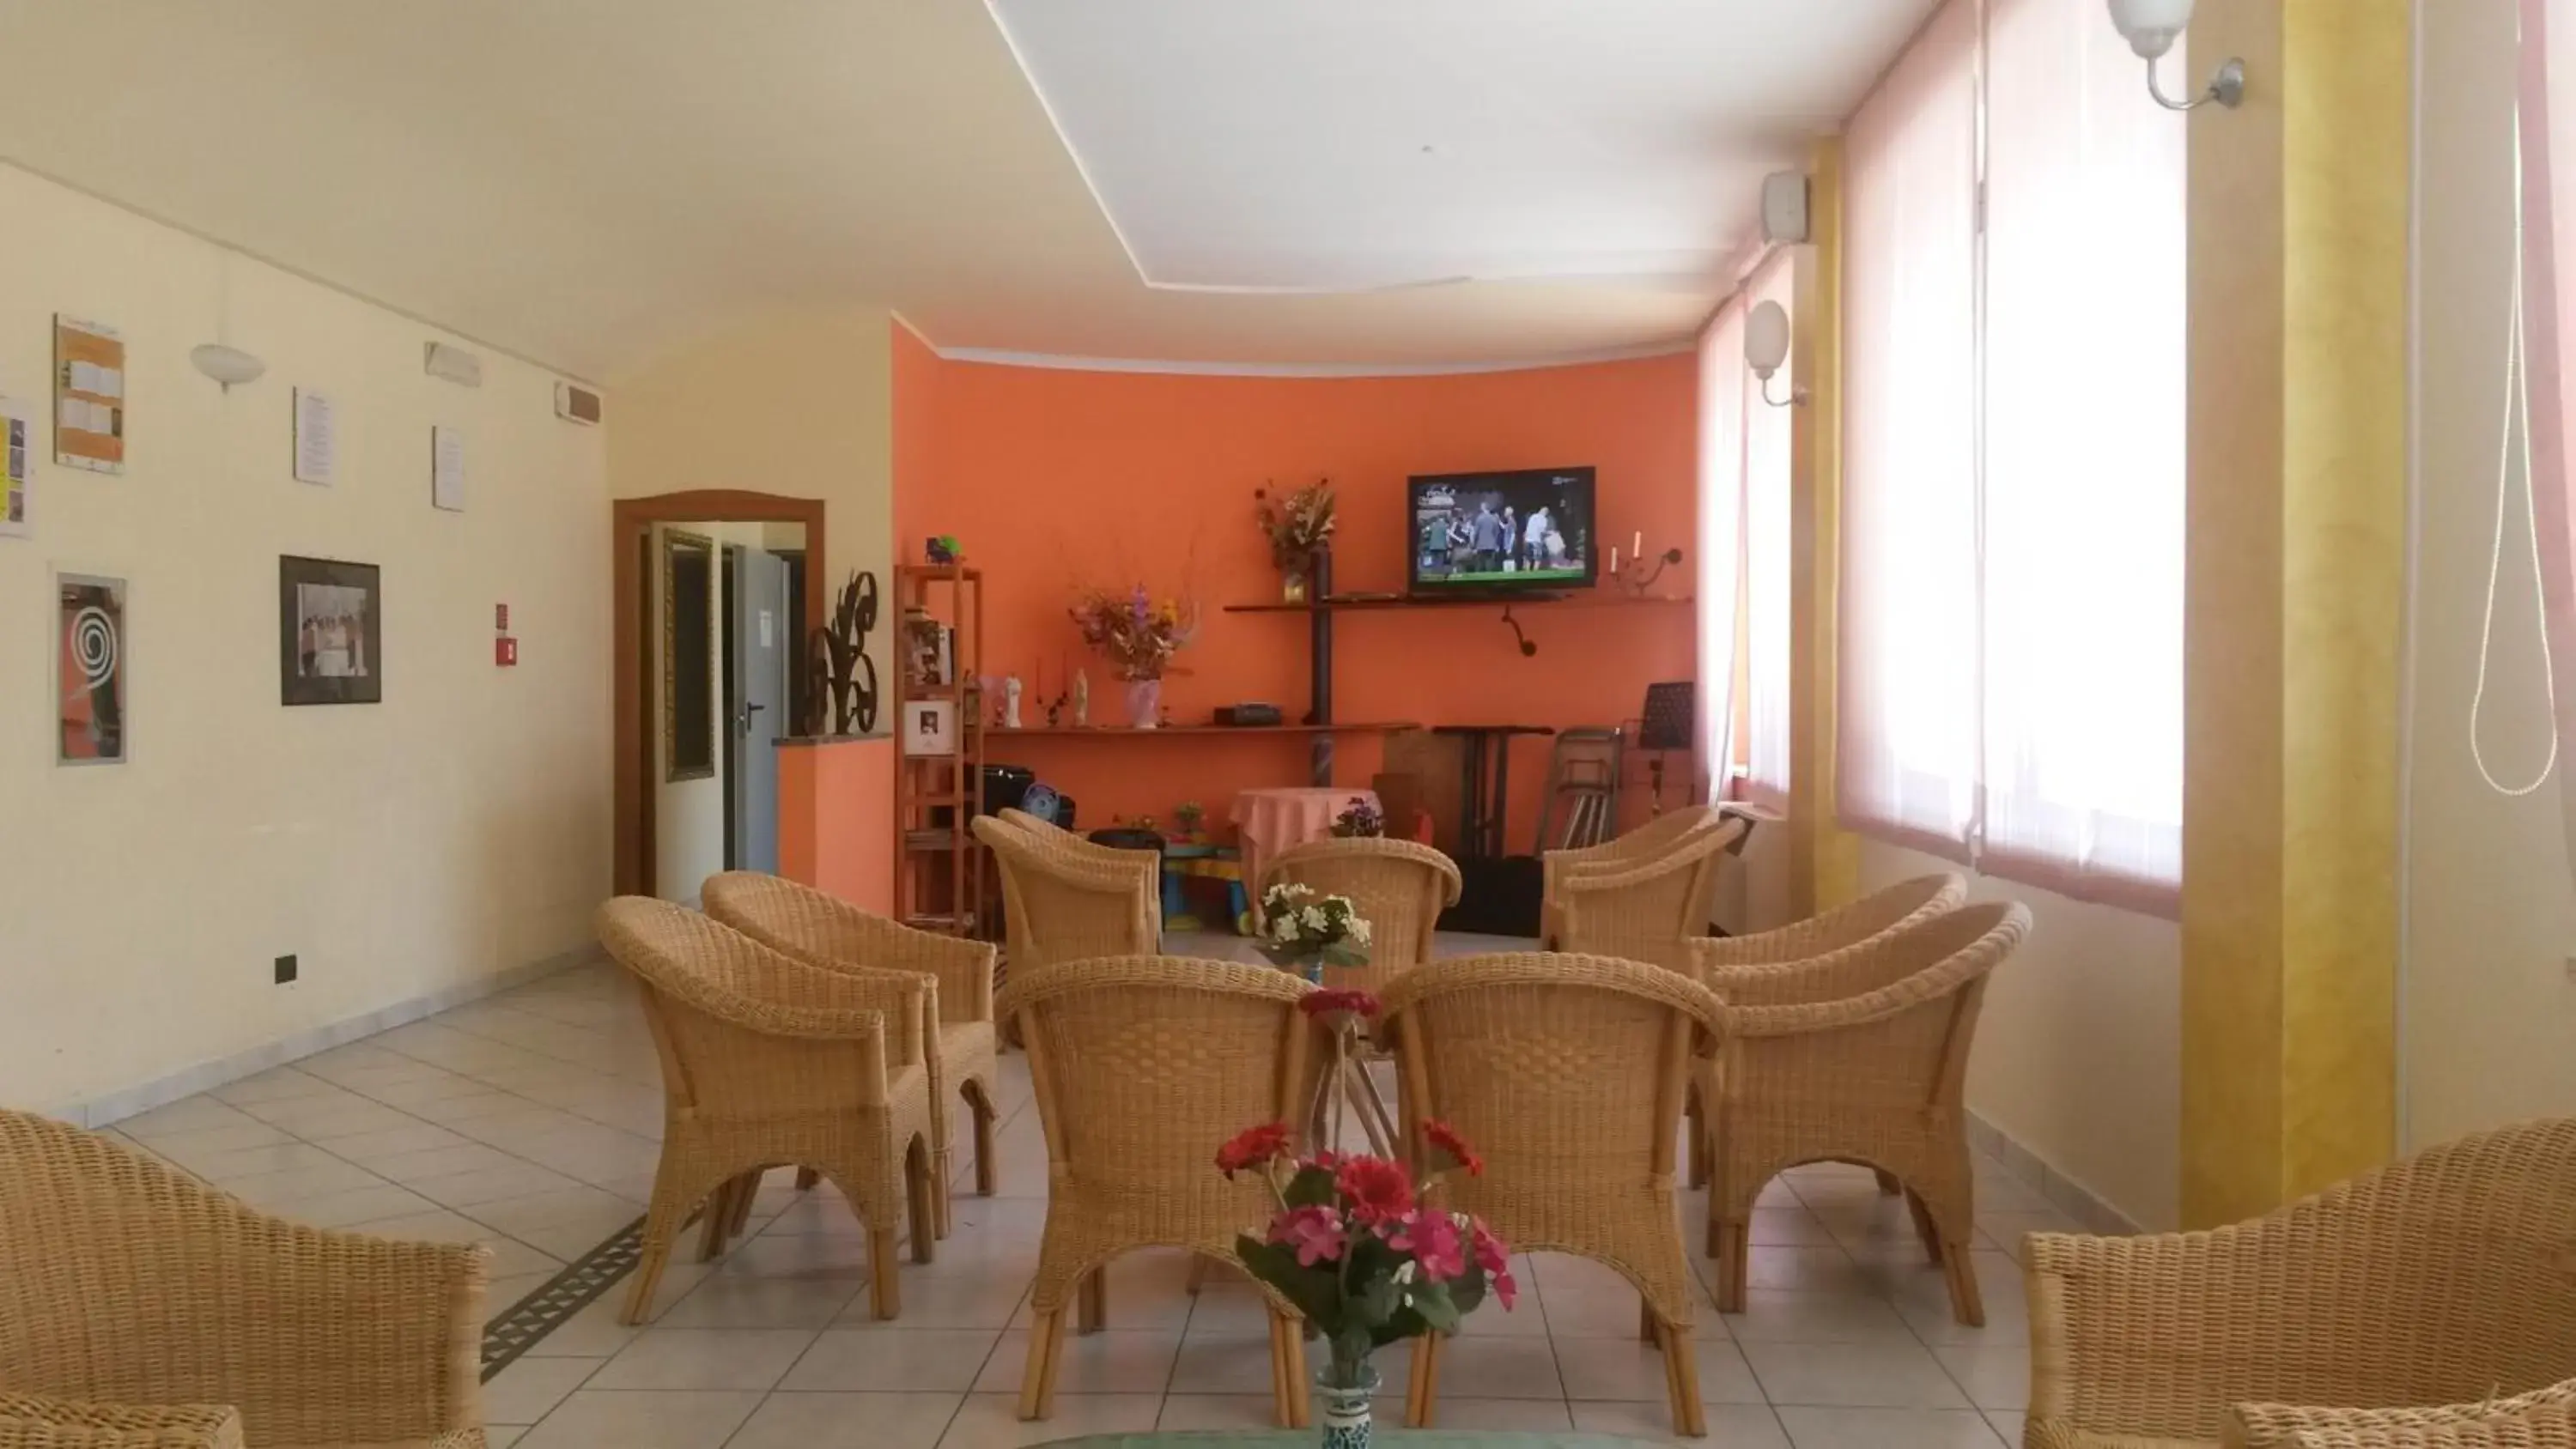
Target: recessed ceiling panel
1352, 145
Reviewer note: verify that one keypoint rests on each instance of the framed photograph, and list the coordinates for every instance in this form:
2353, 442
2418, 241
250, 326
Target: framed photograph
90, 667
330, 632
930, 727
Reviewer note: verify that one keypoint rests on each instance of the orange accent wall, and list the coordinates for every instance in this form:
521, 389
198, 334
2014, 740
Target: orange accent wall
1053, 479
835, 802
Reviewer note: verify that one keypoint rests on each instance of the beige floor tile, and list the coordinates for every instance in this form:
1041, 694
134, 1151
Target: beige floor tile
705, 1358
295, 1184
528, 1389
1995, 1375
940, 1301
731, 1300
1500, 1368
224, 1168
591, 1332
1730, 1426
926, 1360
353, 1206
503, 1293
1112, 1362
669, 1419
1497, 1416
189, 1116
1238, 1413
1771, 1316
992, 1421
1813, 1428
499, 1436
210, 1145
416, 1167
505, 1180
848, 1421
1577, 1313
1787, 1227
271, 1086
369, 1149
2008, 1426
809, 1256
1624, 1368
1853, 1375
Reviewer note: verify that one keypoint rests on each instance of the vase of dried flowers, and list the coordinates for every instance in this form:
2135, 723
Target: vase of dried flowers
1300, 529
1139, 636
1144, 703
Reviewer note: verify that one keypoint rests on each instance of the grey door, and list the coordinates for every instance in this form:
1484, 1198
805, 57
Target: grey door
760, 653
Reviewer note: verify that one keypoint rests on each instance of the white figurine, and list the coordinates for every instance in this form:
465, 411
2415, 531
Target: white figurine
1011, 702
1082, 697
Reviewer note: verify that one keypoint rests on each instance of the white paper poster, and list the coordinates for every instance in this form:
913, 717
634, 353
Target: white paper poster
14, 471
317, 443
447, 469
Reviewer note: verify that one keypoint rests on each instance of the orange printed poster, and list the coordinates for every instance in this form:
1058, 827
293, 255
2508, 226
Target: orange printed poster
89, 396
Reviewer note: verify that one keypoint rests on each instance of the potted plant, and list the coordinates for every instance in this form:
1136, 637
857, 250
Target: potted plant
1368, 1255
1139, 637
1300, 529
1359, 820
1305, 932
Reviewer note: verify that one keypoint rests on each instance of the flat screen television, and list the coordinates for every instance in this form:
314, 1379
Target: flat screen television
1502, 532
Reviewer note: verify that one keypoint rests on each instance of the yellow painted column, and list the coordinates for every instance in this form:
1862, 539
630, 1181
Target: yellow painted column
2294, 588
1825, 861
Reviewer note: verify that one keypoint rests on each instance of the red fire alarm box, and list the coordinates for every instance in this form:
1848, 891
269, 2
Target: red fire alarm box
505, 651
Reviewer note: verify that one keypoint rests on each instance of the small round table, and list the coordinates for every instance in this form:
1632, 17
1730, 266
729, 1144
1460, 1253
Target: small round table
1272, 819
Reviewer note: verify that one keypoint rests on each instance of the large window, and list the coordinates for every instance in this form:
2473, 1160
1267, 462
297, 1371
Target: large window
2013, 514
1744, 466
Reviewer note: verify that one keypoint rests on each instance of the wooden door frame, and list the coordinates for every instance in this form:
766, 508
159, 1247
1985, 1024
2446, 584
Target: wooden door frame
635, 864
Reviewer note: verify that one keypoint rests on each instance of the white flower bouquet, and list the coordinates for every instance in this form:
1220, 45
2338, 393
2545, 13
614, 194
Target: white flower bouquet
1306, 932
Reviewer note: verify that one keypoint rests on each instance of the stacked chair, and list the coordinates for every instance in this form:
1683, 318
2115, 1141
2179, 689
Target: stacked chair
1143, 1067
770, 1062
1644, 896
1858, 1055
2427, 1304
1567, 1073
1400, 888
139, 1308
1065, 899
827, 932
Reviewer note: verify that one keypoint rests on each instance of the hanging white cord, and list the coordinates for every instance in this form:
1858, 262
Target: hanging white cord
2517, 411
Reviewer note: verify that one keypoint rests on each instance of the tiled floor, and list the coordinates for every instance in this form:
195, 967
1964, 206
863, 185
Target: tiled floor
529, 1121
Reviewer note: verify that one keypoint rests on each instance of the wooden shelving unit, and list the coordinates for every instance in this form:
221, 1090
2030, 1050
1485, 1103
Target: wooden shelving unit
938, 864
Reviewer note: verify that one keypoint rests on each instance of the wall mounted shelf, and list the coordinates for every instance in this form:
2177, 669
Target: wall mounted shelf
998, 734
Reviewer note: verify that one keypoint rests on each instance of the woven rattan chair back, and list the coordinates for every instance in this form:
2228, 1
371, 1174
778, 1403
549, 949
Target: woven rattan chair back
1904, 904
1143, 1066
1398, 886
1567, 1073
129, 1288
1648, 907
1061, 905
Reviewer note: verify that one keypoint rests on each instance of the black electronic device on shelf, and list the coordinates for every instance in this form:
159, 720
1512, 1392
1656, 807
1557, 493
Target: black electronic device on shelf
1250, 716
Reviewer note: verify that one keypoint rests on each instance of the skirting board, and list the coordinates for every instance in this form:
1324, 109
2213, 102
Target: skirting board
2063, 1193
206, 1076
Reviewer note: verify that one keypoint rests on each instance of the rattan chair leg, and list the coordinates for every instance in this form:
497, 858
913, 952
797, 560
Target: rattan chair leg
1888, 1186
1279, 1374
1702, 1159
747, 1192
922, 1191
1046, 1340
806, 1177
1647, 1323
713, 1219
1681, 1372
885, 1291
1734, 1252
943, 1174
988, 1175
1292, 1339
1091, 1301
663, 1221
1924, 1228
1421, 1399
1959, 1266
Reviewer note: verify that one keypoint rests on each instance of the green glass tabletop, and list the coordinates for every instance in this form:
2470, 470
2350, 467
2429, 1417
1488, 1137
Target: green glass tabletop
1299, 1438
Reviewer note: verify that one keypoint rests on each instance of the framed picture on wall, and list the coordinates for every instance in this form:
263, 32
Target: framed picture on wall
930, 727
89, 671
330, 632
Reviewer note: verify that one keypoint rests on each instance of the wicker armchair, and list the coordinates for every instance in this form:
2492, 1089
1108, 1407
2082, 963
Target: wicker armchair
1641, 844
1048, 836
824, 930
1064, 904
1143, 1066
1567, 1073
141, 1308
2442, 1280
768, 1062
1646, 908
1399, 887
1859, 1056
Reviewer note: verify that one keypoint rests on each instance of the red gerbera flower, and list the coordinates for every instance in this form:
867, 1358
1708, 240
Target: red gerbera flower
1338, 999
1446, 1138
1374, 1189
1252, 1147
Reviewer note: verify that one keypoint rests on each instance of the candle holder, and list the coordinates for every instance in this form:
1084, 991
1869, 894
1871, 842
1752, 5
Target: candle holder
1636, 578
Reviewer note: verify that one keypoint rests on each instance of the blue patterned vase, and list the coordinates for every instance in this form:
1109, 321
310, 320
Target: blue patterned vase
1346, 1406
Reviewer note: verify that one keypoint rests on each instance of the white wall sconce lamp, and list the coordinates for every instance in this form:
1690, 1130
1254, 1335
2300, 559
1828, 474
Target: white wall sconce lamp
1766, 346
2151, 27
226, 365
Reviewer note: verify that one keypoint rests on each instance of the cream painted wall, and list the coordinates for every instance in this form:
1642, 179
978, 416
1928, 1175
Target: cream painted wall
456, 830
801, 407
2079, 1050
2489, 1009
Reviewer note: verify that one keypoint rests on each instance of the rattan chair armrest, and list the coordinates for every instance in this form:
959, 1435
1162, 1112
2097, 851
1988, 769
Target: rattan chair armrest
1838, 1015
2134, 1317
33, 1421
2542, 1417
963, 968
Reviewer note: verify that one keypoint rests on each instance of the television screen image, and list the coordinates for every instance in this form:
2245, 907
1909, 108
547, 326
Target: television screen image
1479, 532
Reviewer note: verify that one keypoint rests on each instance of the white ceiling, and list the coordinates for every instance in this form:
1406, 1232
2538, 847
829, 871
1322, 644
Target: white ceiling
590, 182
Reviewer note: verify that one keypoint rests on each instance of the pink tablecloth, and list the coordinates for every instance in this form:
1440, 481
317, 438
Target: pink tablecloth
1273, 820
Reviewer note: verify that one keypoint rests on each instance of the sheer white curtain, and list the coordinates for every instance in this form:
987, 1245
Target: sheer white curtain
1766, 555
2083, 462
1721, 539
1908, 707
